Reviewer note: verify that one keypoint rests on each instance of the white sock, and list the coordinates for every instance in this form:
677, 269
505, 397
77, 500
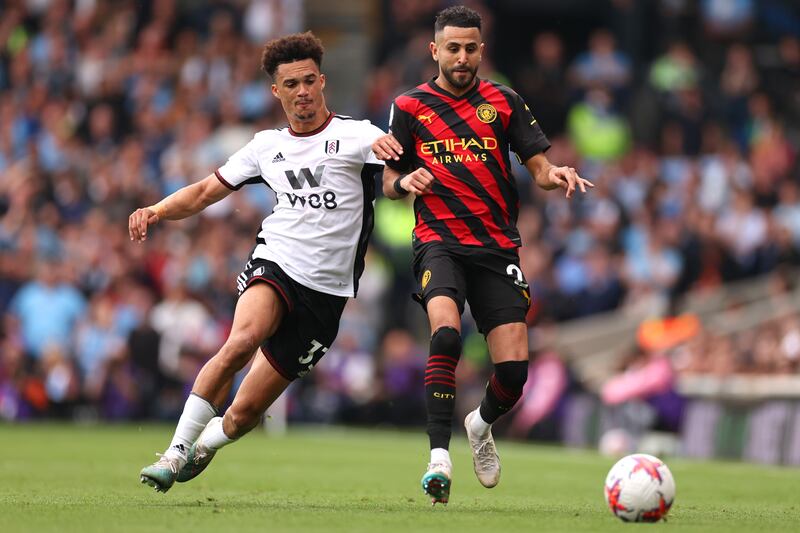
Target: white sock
440, 455
196, 414
214, 436
478, 426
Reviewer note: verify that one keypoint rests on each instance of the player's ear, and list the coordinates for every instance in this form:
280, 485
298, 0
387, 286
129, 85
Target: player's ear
322, 81
434, 51
274, 90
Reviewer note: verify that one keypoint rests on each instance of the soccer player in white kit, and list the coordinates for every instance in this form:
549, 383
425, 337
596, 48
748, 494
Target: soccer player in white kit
307, 261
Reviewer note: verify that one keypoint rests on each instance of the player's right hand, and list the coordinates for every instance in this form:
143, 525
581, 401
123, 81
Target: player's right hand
387, 147
138, 222
418, 182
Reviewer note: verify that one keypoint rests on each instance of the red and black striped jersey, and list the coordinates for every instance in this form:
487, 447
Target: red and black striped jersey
464, 142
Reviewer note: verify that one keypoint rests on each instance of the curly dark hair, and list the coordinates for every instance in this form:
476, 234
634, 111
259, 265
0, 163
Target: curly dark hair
458, 16
295, 47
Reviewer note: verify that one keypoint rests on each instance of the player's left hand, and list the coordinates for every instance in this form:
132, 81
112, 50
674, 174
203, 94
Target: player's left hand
139, 221
387, 147
567, 178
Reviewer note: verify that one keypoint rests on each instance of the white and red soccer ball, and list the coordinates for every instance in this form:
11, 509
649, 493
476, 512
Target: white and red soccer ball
640, 488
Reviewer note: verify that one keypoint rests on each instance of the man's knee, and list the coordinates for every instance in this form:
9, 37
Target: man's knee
512, 374
446, 340
239, 348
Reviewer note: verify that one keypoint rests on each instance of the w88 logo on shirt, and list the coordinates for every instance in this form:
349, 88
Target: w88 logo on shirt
297, 180
326, 200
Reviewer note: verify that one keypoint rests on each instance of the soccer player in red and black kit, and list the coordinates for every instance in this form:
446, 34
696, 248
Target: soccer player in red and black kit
449, 145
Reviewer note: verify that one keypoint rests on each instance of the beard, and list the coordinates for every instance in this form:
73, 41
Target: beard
305, 114
450, 76
308, 114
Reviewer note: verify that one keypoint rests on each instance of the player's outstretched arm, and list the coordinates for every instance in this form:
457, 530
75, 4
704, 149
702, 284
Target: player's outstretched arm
397, 185
183, 203
548, 176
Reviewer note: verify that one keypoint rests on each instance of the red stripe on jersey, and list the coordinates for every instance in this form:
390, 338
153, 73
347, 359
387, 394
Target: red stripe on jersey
471, 200
475, 205
424, 233
493, 96
457, 226
406, 103
482, 172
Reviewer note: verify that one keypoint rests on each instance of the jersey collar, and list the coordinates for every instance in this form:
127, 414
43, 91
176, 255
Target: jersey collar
432, 84
314, 131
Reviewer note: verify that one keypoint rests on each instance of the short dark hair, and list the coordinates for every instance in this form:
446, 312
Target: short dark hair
458, 16
295, 47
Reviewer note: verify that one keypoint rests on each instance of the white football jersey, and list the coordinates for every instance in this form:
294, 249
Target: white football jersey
324, 181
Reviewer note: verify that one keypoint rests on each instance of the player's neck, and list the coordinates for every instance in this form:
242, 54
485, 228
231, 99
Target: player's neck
442, 82
303, 126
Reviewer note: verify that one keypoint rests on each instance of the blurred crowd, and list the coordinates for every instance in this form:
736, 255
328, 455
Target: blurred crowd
686, 116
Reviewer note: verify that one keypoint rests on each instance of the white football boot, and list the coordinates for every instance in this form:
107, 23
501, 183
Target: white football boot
484, 455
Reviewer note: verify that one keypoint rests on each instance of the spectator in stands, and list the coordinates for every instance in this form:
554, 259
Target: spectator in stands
601, 66
548, 380
402, 370
541, 82
674, 71
598, 131
47, 309
742, 229
648, 376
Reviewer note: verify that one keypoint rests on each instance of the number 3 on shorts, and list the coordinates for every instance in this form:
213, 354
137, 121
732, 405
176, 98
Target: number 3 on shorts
315, 345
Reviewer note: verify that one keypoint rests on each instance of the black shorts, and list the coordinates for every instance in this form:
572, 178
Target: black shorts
309, 325
490, 280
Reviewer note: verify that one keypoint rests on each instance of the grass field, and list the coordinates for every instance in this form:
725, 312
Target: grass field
79, 478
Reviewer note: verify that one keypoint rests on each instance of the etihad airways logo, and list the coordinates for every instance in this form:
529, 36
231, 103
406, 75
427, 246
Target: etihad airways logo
460, 145
458, 150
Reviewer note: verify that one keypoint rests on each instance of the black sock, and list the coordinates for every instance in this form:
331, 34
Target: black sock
440, 385
504, 389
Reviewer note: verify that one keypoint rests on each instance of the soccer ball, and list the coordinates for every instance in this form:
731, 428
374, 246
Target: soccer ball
640, 488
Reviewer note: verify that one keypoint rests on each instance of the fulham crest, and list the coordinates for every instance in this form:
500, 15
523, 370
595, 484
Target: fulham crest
331, 147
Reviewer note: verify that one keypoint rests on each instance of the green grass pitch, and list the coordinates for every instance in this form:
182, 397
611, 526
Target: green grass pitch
85, 478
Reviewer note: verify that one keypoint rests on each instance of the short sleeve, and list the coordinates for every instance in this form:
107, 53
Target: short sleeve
242, 167
400, 127
526, 136
371, 132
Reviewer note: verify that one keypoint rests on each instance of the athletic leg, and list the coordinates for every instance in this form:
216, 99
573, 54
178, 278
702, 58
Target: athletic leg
440, 393
291, 351
508, 348
440, 373
258, 314
499, 299
260, 388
